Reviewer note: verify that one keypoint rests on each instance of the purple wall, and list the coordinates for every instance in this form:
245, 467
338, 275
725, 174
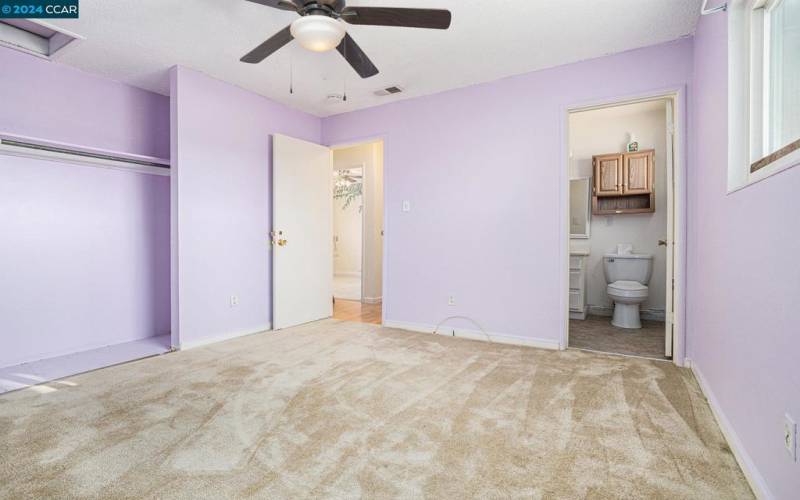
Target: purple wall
55, 102
483, 169
84, 260
85, 257
221, 203
743, 334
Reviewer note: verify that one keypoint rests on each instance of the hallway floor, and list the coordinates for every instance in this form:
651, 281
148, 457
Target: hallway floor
596, 333
351, 310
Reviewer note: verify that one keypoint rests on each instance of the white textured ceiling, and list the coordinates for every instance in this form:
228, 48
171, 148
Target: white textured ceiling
137, 41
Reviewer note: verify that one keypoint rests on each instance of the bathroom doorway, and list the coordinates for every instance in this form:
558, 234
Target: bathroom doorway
621, 227
358, 232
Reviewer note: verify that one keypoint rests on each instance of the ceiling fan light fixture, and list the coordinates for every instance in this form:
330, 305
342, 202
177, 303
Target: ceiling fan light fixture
318, 33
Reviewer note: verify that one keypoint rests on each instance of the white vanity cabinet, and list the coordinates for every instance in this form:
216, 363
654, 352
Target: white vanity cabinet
577, 284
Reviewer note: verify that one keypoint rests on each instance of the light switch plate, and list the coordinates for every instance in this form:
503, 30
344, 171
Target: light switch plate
406, 206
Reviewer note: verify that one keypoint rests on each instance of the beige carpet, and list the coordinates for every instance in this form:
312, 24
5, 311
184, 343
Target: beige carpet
350, 410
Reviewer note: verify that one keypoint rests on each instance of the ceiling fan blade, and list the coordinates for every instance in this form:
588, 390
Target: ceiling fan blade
261, 52
356, 57
277, 4
389, 16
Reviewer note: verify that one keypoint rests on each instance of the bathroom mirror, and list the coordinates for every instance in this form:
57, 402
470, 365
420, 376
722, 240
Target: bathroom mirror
580, 195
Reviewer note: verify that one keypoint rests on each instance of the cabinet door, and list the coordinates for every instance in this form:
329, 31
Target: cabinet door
607, 175
638, 173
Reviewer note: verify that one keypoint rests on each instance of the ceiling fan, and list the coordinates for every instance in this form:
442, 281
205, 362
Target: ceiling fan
320, 28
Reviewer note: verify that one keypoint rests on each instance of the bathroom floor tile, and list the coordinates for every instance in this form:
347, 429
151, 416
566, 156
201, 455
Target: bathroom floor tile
596, 333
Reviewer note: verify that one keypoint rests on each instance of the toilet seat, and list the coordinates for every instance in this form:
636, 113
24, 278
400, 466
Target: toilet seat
627, 289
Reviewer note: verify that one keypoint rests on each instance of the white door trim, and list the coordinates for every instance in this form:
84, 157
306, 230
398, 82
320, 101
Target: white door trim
678, 96
669, 306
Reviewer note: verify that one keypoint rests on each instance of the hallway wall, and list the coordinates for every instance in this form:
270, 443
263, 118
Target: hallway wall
347, 232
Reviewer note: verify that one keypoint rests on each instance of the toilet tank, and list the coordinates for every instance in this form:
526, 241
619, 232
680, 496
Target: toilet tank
630, 267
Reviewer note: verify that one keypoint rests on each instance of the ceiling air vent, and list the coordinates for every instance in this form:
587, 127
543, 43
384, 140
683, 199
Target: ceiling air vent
394, 89
34, 37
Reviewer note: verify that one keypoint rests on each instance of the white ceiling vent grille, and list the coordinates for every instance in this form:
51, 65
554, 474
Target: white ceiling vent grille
394, 89
34, 37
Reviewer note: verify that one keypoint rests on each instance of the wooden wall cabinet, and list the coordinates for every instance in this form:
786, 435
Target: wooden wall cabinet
624, 183
638, 172
608, 175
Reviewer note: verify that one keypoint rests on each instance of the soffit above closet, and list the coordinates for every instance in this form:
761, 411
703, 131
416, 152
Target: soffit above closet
137, 41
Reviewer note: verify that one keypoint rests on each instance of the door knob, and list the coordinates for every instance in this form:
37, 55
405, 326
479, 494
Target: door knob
662, 242
273, 236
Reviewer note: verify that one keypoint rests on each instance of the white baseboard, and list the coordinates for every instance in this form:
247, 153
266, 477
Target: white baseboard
754, 477
646, 314
220, 338
371, 300
500, 338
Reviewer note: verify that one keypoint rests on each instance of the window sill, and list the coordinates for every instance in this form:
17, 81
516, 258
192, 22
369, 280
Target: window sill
778, 165
788, 150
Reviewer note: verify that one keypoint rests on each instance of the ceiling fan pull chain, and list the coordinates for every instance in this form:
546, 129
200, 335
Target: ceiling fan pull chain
291, 75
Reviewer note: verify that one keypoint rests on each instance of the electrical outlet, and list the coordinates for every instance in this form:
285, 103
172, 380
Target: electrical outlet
234, 300
790, 436
451, 301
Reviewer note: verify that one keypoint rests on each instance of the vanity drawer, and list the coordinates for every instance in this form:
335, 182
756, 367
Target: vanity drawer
576, 300
576, 263
575, 280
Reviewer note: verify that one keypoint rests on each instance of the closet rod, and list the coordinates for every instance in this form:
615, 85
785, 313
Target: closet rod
16, 147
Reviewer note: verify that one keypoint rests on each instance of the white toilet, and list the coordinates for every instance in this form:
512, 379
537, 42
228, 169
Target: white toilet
627, 276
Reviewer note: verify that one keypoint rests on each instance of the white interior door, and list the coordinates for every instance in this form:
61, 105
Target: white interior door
302, 232
669, 313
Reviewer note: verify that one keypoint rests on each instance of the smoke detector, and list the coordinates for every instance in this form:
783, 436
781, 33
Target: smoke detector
394, 89
334, 98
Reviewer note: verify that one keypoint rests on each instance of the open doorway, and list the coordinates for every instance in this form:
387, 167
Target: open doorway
358, 232
621, 228
348, 227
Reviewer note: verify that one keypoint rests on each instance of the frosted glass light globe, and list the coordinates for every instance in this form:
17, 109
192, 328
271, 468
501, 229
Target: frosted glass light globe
318, 33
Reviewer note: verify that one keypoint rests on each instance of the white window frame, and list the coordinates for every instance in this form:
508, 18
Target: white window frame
748, 105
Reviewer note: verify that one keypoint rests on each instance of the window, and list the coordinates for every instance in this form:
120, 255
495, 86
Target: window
764, 89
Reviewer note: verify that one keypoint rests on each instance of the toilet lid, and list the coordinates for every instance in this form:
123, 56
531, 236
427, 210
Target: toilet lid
631, 286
